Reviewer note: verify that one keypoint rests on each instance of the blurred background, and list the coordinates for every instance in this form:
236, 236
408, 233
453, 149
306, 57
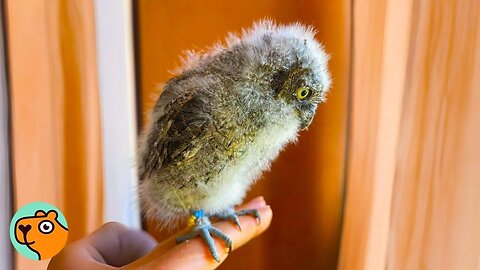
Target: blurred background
387, 177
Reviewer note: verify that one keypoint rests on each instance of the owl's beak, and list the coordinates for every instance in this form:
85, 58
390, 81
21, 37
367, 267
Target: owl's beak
304, 126
306, 120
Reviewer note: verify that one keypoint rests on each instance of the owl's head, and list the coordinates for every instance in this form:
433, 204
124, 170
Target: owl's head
293, 65
285, 62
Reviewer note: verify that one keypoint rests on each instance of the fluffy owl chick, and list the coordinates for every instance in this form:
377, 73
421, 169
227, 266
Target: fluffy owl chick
218, 124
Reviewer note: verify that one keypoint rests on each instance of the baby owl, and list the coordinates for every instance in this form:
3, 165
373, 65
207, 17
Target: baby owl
223, 118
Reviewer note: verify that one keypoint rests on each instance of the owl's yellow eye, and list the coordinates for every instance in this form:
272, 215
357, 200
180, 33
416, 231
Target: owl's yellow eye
302, 93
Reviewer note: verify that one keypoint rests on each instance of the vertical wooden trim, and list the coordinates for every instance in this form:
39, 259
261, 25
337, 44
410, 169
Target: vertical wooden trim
379, 55
6, 254
396, 44
368, 21
117, 91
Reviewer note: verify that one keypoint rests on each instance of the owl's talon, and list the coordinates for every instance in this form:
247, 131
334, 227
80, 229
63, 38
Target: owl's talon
236, 221
252, 212
233, 215
203, 227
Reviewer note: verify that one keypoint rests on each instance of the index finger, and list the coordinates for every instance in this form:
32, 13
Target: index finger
194, 254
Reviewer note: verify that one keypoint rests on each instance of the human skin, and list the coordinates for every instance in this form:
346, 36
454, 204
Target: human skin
115, 246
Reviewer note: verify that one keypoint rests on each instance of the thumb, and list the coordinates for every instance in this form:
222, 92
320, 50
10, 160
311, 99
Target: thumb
118, 245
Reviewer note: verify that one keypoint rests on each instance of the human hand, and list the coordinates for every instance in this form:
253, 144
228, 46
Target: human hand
114, 246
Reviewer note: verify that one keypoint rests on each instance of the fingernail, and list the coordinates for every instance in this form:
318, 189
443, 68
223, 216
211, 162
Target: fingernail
258, 201
259, 198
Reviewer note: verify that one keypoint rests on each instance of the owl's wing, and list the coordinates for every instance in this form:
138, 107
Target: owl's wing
173, 135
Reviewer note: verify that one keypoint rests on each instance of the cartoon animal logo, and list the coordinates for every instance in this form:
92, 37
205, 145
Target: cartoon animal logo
41, 233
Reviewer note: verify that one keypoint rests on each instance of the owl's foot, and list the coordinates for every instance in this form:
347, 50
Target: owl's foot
233, 215
203, 227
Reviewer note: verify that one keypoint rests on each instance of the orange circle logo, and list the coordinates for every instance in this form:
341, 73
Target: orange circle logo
38, 231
